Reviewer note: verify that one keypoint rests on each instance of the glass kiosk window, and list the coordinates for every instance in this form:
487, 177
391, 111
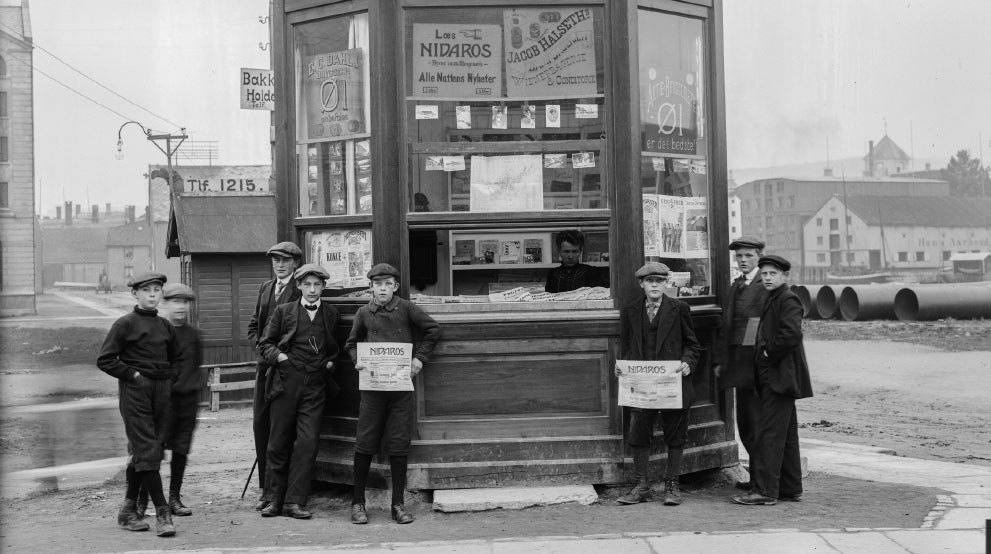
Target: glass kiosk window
505, 118
674, 158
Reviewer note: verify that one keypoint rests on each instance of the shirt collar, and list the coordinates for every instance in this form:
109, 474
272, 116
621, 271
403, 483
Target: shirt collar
372, 306
753, 273
648, 301
303, 302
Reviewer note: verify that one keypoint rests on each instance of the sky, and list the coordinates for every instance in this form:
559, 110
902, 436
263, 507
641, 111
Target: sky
799, 73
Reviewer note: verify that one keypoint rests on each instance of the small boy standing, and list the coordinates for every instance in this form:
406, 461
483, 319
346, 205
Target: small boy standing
299, 346
782, 376
387, 415
657, 327
186, 390
143, 352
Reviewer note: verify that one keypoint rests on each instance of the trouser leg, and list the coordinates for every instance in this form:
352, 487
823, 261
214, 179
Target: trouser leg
791, 466
261, 424
304, 450
747, 409
282, 436
178, 471
776, 412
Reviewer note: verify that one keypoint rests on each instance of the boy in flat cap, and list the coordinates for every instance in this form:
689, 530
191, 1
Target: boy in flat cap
658, 327
300, 349
285, 258
143, 352
734, 360
186, 390
387, 415
782, 376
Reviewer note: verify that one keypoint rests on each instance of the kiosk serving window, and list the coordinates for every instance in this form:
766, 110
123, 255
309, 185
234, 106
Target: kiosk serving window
674, 158
505, 112
333, 116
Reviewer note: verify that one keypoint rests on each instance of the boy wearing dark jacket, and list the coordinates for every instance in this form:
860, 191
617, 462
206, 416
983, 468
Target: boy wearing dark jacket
782, 376
300, 349
657, 327
142, 351
387, 416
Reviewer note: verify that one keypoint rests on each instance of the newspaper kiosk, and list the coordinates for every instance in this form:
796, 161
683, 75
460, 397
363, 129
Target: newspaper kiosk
456, 140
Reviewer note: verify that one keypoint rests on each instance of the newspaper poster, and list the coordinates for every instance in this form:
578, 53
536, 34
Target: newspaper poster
550, 52
388, 366
652, 385
671, 221
333, 96
651, 229
453, 60
507, 183
696, 227
358, 243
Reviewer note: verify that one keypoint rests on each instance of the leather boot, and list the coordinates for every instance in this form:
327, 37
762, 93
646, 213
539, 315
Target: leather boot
163, 522
177, 507
672, 492
641, 491
141, 505
128, 518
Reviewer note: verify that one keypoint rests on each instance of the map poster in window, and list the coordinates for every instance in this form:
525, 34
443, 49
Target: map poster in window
333, 95
696, 227
550, 52
507, 183
455, 60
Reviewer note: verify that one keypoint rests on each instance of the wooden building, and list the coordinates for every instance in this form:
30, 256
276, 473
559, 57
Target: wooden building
454, 140
20, 277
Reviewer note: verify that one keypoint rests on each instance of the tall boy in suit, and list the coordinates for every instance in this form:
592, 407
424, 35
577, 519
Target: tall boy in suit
734, 361
658, 327
300, 349
782, 377
285, 259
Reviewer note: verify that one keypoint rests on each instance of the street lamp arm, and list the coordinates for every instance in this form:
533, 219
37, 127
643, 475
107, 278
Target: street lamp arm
120, 140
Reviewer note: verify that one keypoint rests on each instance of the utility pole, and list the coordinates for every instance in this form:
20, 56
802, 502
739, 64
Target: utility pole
169, 151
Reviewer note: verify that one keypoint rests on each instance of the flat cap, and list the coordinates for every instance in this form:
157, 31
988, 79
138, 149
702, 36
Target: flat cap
178, 290
383, 270
747, 241
652, 268
285, 249
142, 279
310, 269
776, 261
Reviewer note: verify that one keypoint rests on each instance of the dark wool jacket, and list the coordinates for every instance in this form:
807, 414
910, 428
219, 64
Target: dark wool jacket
259, 318
144, 342
675, 337
738, 360
398, 321
784, 369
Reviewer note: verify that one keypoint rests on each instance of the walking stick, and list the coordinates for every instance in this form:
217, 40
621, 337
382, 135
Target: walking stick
250, 475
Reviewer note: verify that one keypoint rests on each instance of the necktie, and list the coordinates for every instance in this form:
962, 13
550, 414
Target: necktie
652, 309
311, 307
278, 289
740, 281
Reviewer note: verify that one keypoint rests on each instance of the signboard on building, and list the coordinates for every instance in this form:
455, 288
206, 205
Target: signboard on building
671, 100
206, 179
550, 52
257, 89
333, 97
460, 61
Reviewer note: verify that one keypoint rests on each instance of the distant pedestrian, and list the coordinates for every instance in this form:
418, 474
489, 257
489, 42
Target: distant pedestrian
782, 377
285, 258
657, 327
299, 347
387, 416
734, 349
143, 352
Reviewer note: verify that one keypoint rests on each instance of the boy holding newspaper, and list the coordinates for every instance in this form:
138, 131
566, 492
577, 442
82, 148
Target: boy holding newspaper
656, 328
387, 415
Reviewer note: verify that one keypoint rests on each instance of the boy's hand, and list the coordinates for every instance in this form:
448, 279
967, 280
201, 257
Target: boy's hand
281, 357
330, 366
617, 370
718, 370
416, 366
359, 367
684, 369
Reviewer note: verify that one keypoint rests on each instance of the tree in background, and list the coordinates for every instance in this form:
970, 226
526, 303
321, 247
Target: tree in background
966, 175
